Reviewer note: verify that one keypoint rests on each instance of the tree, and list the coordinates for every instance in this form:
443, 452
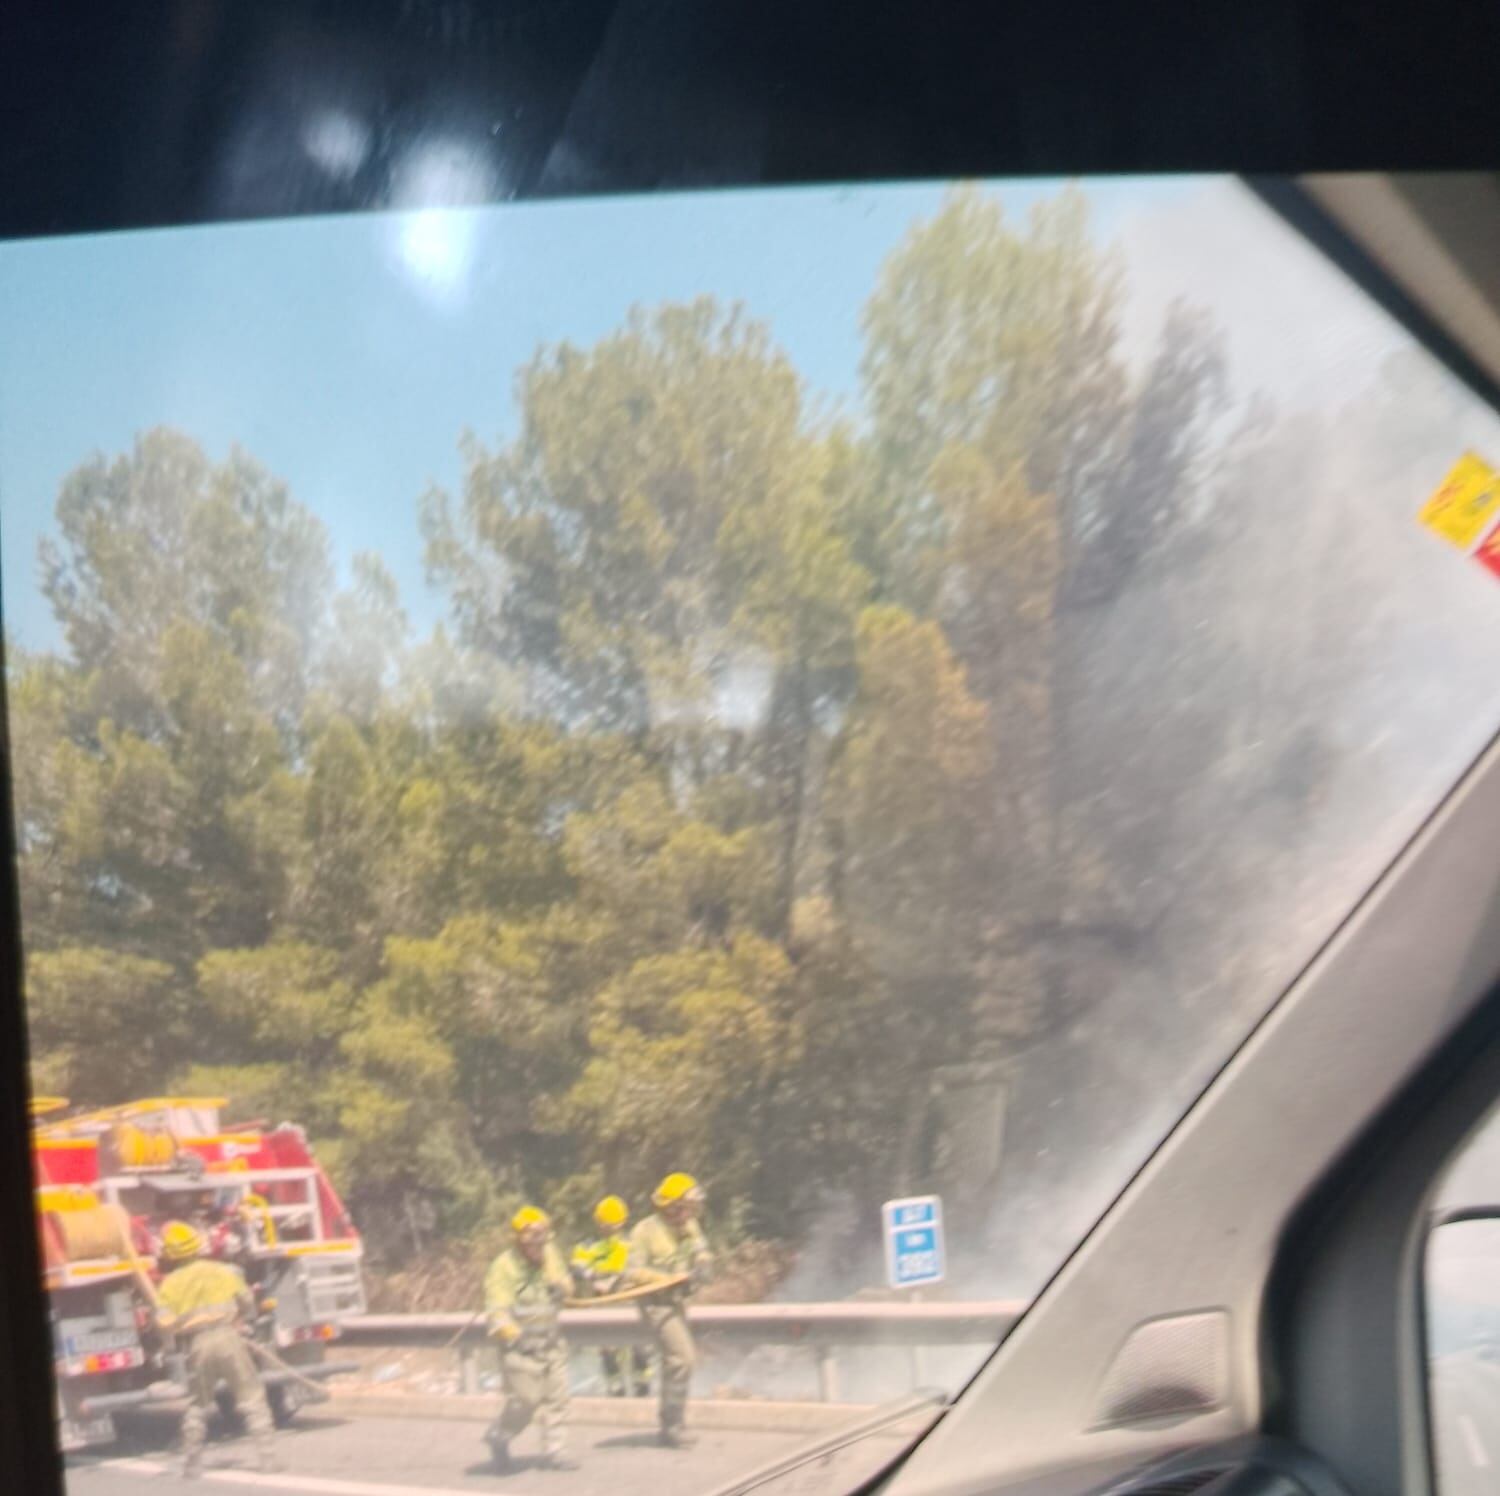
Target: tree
345, 820
1037, 477
189, 594
165, 537
163, 845
1036, 493
998, 398
363, 646
914, 848
590, 552
997, 340
102, 1021
683, 1052
472, 825
657, 553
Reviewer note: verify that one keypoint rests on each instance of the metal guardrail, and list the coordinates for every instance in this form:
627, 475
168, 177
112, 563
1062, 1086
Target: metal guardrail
822, 1328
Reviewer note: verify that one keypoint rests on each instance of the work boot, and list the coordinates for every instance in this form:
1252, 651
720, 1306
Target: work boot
500, 1461
558, 1461
677, 1438
192, 1468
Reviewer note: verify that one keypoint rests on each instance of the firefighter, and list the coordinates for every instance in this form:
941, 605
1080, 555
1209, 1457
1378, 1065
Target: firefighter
668, 1244
202, 1305
523, 1292
599, 1268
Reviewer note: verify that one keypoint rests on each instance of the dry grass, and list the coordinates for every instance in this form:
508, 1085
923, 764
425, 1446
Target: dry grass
743, 1274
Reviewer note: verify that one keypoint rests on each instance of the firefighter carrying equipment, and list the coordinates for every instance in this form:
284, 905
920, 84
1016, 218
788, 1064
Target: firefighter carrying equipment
522, 1297
660, 1245
660, 1248
676, 1187
181, 1242
203, 1302
611, 1213
521, 1300
529, 1219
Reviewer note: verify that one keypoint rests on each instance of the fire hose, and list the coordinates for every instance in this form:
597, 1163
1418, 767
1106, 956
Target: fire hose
629, 1295
128, 1251
267, 1357
263, 1353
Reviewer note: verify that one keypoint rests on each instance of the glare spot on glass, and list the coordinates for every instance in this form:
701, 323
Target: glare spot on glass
436, 247
436, 244
337, 141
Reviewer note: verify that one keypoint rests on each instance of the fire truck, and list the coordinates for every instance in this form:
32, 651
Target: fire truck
108, 1181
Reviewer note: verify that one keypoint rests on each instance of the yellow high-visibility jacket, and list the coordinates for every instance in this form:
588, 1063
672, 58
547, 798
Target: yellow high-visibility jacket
524, 1296
600, 1265
657, 1249
205, 1292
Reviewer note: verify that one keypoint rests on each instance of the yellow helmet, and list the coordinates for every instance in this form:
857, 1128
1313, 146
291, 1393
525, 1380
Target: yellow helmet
181, 1242
676, 1187
611, 1213
529, 1219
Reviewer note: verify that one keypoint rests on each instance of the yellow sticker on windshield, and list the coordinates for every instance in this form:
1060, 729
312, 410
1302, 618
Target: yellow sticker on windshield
1463, 507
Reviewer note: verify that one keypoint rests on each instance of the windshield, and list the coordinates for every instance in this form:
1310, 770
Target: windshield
699, 780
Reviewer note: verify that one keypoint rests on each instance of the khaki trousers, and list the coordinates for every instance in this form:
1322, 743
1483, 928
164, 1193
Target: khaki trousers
535, 1374
220, 1357
674, 1343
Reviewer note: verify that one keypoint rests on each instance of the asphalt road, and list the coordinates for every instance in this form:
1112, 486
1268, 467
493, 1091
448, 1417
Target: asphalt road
328, 1455
1466, 1422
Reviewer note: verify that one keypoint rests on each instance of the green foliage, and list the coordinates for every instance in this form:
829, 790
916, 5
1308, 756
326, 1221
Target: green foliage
102, 1020
726, 812
162, 537
609, 516
682, 1050
283, 1001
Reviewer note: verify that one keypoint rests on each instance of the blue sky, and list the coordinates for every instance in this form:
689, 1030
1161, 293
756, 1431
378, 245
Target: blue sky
348, 354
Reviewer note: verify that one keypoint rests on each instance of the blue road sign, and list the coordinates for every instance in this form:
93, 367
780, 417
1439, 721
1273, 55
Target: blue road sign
914, 1252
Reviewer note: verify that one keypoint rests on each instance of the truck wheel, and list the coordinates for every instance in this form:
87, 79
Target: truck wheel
286, 1400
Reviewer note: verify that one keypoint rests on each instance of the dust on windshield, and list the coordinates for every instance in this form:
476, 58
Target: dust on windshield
637, 812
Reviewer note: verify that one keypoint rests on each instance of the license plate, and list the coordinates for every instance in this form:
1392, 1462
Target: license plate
97, 1342
81, 1433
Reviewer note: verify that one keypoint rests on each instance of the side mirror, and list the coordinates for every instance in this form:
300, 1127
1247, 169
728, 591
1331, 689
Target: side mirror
1461, 1294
